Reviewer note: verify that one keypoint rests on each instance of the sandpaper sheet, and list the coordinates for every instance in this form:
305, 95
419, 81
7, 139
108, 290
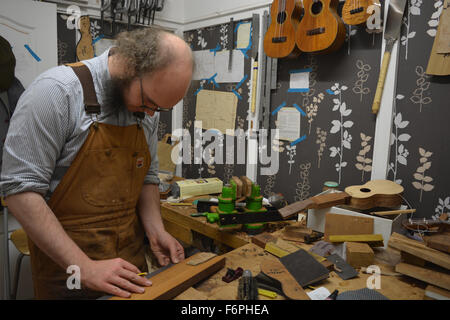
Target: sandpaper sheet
304, 268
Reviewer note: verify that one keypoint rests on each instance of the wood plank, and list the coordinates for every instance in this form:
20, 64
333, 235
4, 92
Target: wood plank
419, 249
374, 240
340, 224
436, 293
439, 279
176, 279
439, 242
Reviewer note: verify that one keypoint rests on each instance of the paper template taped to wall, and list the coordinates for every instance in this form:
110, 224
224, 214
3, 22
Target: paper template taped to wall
288, 124
243, 35
299, 81
207, 64
443, 38
216, 110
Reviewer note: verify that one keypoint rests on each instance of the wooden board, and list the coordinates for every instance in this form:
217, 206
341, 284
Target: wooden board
318, 202
359, 254
435, 293
419, 249
439, 279
373, 240
176, 279
262, 239
439, 242
339, 224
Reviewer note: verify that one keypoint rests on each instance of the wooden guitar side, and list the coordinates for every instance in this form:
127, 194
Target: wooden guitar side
333, 35
354, 12
85, 49
285, 30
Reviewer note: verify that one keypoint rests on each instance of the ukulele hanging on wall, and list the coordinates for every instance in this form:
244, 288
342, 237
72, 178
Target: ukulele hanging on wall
85, 49
321, 30
279, 40
354, 12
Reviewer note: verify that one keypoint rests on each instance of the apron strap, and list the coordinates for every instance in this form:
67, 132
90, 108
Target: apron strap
91, 105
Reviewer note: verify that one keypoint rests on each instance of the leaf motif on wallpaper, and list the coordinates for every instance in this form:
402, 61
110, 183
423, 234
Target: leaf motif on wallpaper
422, 86
348, 36
200, 40
362, 75
397, 139
321, 139
423, 181
277, 145
442, 207
306, 101
340, 126
412, 9
189, 37
302, 191
364, 163
312, 109
224, 36
162, 127
270, 184
291, 152
434, 20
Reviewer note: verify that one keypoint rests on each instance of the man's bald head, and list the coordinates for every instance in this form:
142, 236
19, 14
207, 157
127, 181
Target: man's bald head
147, 50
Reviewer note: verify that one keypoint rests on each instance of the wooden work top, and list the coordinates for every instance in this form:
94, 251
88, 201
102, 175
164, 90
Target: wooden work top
178, 222
250, 256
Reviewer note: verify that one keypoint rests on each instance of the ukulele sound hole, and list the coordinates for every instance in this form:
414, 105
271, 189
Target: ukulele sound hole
281, 17
365, 190
316, 7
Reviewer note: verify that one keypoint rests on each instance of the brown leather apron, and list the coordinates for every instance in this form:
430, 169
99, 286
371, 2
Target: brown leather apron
96, 200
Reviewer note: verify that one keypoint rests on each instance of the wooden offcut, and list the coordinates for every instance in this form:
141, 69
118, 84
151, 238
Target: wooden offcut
262, 239
340, 224
439, 279
435, 293
439, 242
373, 240
359, 254
176, 279
419, 249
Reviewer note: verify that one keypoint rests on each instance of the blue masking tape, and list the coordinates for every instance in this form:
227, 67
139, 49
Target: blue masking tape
296, 106
298, 140
33, 54
274, 112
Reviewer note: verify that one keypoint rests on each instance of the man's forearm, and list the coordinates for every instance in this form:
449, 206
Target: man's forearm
44, 229
150, 210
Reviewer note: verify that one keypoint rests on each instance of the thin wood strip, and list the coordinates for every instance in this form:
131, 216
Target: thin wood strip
429, 276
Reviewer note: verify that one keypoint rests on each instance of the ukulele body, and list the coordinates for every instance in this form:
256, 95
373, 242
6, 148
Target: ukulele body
354, 12
279, 40
375, 193
321, 30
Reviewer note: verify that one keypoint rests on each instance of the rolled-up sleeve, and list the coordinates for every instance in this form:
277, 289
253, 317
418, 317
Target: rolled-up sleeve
36, 136
152, 141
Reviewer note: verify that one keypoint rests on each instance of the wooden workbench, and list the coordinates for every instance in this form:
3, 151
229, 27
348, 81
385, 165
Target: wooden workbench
250, 257
178, 222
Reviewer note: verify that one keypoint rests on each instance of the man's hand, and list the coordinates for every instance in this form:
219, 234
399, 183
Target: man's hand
116, 277
166, 248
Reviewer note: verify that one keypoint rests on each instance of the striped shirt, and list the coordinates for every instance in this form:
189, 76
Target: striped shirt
49, 126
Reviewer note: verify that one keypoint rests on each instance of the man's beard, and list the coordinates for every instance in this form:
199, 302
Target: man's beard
114, 99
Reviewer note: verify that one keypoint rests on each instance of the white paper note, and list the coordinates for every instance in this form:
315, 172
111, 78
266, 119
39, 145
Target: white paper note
288, 123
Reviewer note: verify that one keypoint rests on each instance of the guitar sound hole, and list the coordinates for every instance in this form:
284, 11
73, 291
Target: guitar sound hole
281, 17
365, 190
316, 7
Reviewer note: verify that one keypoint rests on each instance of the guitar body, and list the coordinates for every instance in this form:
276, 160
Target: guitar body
85, 49
321, 30
354, 12
375, 193
279, 40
